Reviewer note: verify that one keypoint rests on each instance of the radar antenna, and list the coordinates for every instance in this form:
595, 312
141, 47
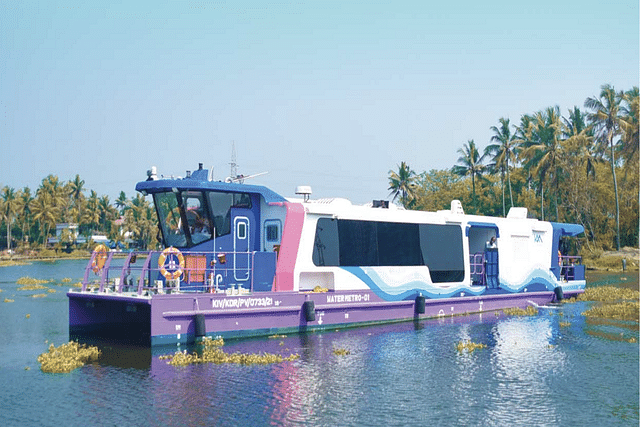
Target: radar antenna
234, 176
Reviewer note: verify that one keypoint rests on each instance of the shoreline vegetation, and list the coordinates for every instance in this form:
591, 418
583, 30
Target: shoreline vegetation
597, 260
581, 167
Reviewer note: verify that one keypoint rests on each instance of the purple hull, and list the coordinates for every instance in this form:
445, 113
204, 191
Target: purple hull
182, 318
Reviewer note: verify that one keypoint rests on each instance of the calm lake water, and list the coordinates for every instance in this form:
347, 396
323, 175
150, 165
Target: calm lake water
554, 369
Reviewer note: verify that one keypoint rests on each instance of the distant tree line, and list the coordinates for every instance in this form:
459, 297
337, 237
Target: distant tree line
579, 168
29, 218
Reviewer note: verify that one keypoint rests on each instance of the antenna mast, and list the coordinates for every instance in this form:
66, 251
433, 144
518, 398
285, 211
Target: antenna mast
234, 165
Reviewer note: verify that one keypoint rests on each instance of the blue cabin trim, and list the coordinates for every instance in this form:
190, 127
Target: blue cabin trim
147, 187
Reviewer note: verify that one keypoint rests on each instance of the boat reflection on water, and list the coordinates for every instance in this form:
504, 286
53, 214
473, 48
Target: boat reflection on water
393, 374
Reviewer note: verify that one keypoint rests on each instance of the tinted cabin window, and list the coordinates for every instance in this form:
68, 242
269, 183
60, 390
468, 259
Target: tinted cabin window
170, 219
272, 233
352, 243
197, 216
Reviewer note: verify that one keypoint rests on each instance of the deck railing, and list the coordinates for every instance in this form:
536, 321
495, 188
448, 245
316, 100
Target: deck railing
571, 268
476, 265
139, 272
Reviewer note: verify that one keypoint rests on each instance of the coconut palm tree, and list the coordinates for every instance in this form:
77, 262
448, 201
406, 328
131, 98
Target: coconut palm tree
76, 189
90, 219
470, 163
402, 184
26, 199
576, 132
545, 150
504, 151
629, 124
121, 202
45, 212
605, 119
9, 209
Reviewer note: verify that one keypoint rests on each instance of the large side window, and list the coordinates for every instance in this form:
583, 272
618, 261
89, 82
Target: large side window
442, 251
352, 243
326, 251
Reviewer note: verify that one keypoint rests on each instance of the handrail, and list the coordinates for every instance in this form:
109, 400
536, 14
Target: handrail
567, 267
214, 267
476, 267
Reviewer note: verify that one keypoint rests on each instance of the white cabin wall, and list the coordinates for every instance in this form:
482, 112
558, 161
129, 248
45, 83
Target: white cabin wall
523, 250
307, 275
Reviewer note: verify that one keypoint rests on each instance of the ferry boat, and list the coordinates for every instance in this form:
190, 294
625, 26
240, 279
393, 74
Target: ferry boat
242, 260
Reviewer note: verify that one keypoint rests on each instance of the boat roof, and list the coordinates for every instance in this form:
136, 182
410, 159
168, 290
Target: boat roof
199, 182
567, 229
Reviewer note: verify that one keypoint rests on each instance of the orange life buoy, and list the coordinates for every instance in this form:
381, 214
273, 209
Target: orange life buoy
99, 258
171, 270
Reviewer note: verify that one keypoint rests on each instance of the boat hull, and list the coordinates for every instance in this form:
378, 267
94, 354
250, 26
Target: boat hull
184, 318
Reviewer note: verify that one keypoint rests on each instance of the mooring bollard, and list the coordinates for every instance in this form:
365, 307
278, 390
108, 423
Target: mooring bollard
624, 264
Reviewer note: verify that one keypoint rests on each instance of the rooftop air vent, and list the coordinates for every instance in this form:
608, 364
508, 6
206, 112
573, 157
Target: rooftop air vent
380, 204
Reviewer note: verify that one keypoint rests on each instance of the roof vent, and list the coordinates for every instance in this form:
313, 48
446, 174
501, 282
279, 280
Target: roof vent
304, 191
517, 213
380, 204
456, 207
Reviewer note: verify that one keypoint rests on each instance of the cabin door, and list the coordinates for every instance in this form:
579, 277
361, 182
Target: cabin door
241, 253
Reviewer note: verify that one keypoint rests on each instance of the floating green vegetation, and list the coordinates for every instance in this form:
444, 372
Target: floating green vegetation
8, 300
66, 280
212, 353
39, 296
31, 287
27, 316
469, 346
51, 291
341, 351
31, 281
276, 336
67, 357
616, 303
564, 324
627, 310
12, 263
515, 311
609, 294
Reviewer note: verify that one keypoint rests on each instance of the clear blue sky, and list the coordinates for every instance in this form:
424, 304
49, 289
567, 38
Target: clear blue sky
331, 94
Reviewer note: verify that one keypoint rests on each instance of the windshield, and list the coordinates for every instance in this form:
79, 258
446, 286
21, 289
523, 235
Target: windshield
170, 219
188, 218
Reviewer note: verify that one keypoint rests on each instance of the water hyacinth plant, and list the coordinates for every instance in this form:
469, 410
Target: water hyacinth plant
213, 353
515, 311
615, 303
469, 346
67, 357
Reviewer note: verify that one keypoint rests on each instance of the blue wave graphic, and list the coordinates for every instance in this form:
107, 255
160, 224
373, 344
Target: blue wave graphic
538, 280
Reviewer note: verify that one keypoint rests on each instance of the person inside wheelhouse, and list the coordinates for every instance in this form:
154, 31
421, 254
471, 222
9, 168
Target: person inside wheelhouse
189, 218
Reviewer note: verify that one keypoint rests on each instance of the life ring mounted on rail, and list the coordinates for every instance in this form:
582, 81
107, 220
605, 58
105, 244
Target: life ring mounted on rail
99, 258
171, 263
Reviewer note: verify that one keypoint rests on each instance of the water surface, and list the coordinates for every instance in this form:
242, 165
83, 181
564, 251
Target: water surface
557, 368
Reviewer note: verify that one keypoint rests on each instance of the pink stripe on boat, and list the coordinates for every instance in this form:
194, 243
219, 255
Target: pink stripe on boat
289, 248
